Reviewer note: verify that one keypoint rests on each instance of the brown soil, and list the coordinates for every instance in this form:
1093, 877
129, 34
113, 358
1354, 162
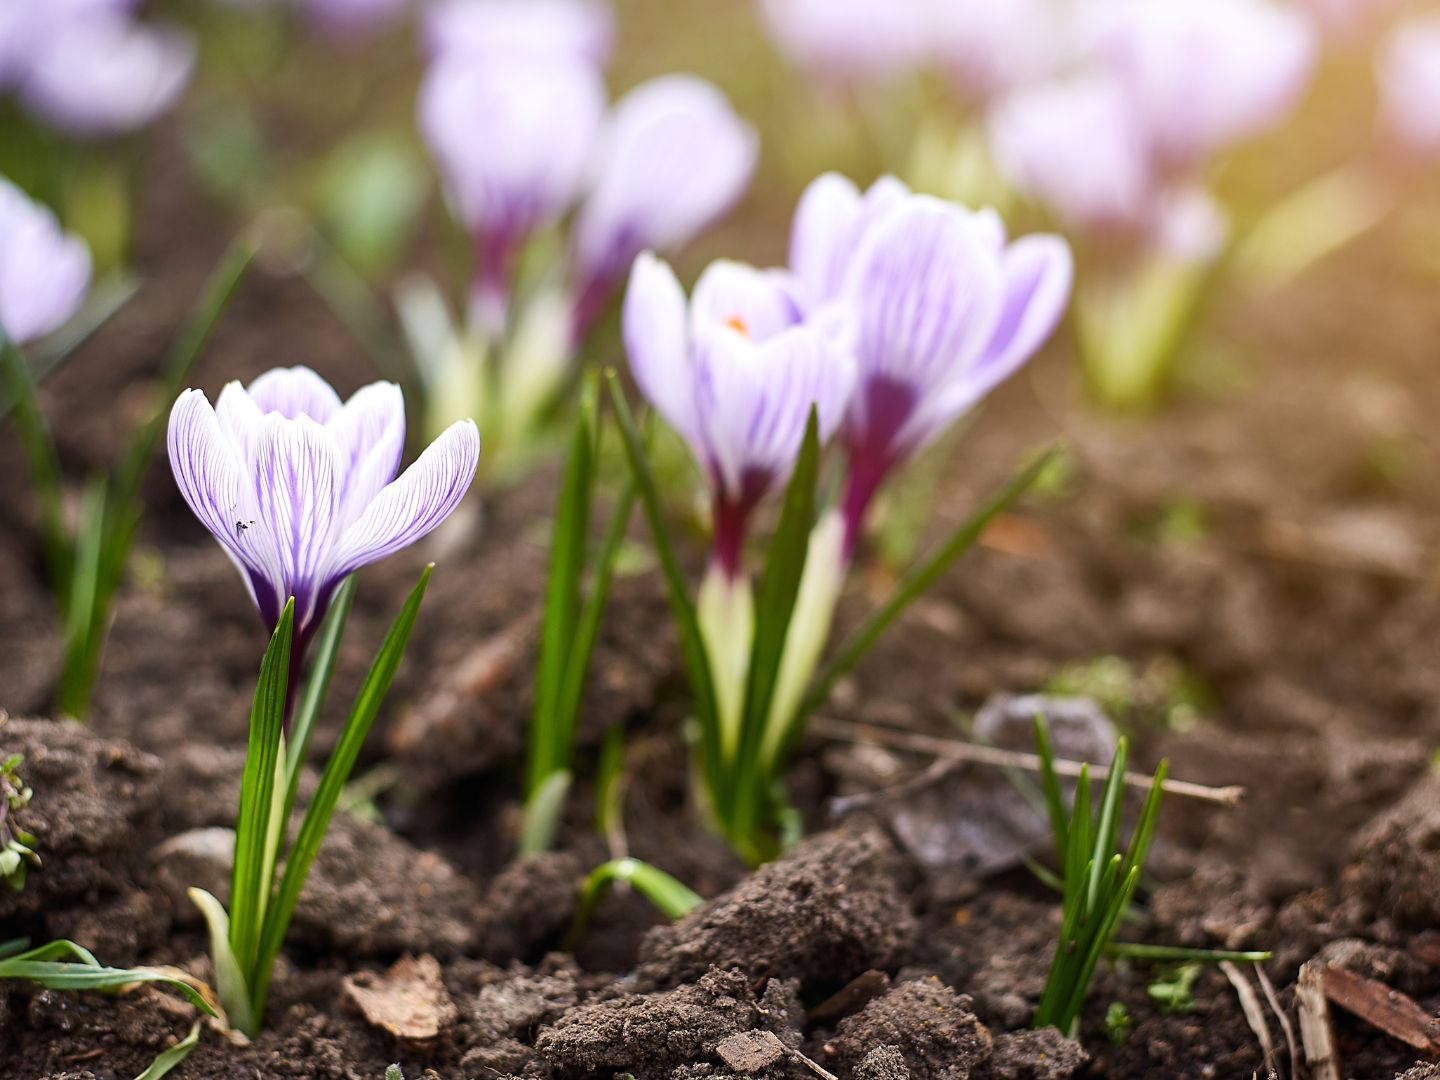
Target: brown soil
1273, 542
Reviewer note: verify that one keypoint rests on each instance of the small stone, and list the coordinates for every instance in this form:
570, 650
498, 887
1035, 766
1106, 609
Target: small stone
750, 1052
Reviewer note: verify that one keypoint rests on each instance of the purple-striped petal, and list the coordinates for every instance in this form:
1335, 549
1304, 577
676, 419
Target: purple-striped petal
581, 30
657, 344
44, 271
297, 464
370, 431
759, 303
210, 476
419, 500
294, 392
830, 221
674, 159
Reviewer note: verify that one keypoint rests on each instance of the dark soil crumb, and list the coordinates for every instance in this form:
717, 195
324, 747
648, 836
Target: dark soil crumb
935, 1029
650, 1035
824, 913
1397, 858
1421, 1072
530, 901
1033, 1055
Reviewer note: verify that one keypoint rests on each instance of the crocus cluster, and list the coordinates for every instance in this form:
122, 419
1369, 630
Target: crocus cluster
515, 111
299, 488
1408, 73
337, 19
44, 271
89, 68
898, 313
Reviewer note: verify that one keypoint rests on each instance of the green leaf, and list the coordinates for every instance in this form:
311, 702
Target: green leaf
682, 607
44, 465
1109, 821
332, 783
671, 897
230, 982
610, 783
84, 596
251, 876
168, 1059
549, 742
1178, 954
64, 965
543, 811
325, 651
775, 604
1054, 802
920, 579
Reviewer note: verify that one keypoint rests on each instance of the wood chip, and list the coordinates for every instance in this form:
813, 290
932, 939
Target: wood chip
1316, 1035
409, 1001
1254, 1014
850, 998
1392, 1012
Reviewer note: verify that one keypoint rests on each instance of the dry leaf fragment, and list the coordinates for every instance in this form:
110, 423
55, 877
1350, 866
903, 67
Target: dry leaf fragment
409, 1000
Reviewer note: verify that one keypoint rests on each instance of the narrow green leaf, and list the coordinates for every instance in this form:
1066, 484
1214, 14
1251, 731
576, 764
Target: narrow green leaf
775, 604
1139, 849
251, 877
85, 586
1109, 821
230, 981
671, 897
15, 945
1178, 954
45, 966
920, 578
325, 653
697, 664
186, 350
1054, 801
610, 783
168, 1059
543, 811
44, 465
548, 751
332, 783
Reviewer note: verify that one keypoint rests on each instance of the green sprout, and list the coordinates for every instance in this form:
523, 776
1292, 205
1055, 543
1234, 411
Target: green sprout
1118, 1023
671, 897
1174, 990
17, 847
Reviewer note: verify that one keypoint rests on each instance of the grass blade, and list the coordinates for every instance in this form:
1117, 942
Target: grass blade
670, 896
332, 783
920, 578
1179, 954
84, 596
230, 982
326, 651
1108, 823
44, 465
250, 880
543, 811
84, 972
775, 605
1054, 801
697, 665
168, 1059
548, 751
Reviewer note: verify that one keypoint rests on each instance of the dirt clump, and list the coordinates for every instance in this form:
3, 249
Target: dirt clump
935, 1030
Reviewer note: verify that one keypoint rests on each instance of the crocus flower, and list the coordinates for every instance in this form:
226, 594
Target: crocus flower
945, 310
674, 157
44, 271
300, 489
576, 30
736, 376
1408, 72
1078, 147
1205, 74
987, 48
352, 18
848, 41
513, 140
1343, 18
100, 73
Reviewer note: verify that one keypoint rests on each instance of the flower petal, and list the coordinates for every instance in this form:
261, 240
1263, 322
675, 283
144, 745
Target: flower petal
370, 430
656, 341
295, 392
407, 509
758, 303
296, 463
824, 219
44, 271
209, 473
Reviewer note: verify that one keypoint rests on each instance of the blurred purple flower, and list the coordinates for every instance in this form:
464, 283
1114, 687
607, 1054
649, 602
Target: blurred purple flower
44, 271
1078, 147
849, 41
576, 30
944, 310
1204, 74
990, 47
300, 489
514, 141
736, 376
673, 159
1408, 73
92, 71
1342, 18
352, 18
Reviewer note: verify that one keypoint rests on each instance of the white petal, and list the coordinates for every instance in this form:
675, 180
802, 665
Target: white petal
759, 303
819, 236
657, 344
419, 500
294, 392
370, 431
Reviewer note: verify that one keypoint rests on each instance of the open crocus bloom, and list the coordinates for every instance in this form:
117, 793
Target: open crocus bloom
1408, 71
579, 30
736, 376
1205, 74
673, 159
44, 271
944, 309
300, 489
